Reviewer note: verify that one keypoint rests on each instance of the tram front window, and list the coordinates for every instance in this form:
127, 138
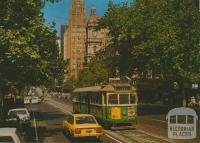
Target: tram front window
181, 119
132, 99
173, 119
113, 99
190, 119
124, 99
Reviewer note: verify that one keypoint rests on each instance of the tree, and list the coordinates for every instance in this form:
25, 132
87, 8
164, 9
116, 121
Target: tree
117, 21
94, 74
28, 49
159, 36
69, 85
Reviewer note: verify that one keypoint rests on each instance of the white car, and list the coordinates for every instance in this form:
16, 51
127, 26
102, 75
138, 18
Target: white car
27, 100
10, 135
35, 100
23, 115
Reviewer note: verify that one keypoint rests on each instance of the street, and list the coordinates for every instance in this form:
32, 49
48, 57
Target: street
48, 127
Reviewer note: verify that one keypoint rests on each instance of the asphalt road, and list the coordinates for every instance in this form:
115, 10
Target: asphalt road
157, 125
47, 127
150, 128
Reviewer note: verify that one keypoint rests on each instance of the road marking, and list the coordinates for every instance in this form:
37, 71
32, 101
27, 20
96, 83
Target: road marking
36, 134
113, 138
162, 121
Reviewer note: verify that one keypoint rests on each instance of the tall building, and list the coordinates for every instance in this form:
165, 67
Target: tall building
96, 40
75, 38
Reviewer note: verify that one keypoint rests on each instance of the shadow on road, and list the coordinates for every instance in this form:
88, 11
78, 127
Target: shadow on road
84, 140
42, 133
48, 124
44, 116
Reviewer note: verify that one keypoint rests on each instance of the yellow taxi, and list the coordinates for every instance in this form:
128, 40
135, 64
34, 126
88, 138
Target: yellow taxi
82, 125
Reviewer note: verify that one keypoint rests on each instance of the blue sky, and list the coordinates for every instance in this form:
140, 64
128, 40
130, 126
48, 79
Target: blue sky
59, 12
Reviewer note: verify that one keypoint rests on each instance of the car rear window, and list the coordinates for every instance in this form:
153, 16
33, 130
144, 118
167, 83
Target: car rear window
85, 120
6, 139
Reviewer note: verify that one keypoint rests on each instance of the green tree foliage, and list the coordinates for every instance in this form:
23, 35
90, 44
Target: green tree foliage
118, 20
28, 49
69, 85
95, 73
157, 35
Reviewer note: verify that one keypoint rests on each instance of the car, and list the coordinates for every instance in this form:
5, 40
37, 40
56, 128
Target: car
10, 121
23, 115
81, 125
27, 100
35, 100
10, 135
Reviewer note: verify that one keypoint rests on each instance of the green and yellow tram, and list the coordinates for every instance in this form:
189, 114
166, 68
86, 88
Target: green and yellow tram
113, 104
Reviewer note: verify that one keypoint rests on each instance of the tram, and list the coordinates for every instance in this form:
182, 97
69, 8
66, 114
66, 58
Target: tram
113, 104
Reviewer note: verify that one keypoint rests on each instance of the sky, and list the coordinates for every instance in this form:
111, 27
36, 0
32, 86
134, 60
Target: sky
59, 12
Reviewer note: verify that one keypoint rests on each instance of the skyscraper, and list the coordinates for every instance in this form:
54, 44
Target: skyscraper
75, 38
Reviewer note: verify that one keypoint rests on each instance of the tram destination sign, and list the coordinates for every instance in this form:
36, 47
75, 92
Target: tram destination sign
122, 88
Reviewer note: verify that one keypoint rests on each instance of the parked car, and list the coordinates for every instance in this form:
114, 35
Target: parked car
36, 100
23, 115
10, 121
32, 100
10, 135
82, 125
27, 100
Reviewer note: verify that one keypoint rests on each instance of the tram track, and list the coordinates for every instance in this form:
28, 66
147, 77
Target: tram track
137, 136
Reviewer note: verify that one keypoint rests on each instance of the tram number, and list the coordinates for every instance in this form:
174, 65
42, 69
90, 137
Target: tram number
115, 113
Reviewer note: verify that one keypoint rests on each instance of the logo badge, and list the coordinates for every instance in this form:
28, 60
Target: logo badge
182, 123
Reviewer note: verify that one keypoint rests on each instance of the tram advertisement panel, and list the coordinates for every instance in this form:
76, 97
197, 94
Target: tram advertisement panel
115, 113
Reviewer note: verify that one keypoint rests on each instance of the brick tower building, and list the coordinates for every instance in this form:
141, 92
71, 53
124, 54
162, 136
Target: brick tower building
75, 38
